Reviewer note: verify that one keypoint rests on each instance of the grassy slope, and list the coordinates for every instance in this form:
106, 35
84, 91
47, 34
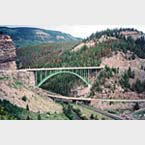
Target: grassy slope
12, 112
9, 111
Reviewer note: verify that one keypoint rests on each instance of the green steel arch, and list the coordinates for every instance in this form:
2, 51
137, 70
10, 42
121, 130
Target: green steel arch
60, 72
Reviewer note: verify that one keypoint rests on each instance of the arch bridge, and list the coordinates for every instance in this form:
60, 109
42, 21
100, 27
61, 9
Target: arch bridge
44, 74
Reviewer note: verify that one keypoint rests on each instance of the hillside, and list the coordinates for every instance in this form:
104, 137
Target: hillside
90, 51
20, 99
26, 36
23, 93
121, 50
42, 55
122, 53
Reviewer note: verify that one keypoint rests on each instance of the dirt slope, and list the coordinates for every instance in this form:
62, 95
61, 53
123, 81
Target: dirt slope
22, 95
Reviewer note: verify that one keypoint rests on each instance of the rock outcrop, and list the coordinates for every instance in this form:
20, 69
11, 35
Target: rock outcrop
27, 78
7, 53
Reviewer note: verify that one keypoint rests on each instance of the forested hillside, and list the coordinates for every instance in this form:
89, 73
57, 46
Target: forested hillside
127, 45
104, 43
121, 53
27, 36
42, 55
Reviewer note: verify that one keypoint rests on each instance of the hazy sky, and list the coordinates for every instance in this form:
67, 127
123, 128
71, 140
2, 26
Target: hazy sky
84, 31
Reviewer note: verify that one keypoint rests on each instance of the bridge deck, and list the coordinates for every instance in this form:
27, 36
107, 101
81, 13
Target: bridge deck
65, 68
57, 68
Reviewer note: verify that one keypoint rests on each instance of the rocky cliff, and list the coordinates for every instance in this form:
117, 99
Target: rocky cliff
7, 53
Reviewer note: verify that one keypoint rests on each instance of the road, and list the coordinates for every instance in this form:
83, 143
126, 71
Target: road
112, 116
65, 68
58, 96
68, 99
59, 68
97, 100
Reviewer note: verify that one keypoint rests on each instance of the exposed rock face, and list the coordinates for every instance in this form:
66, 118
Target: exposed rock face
25, 77
133, 34
7, 53
94, 42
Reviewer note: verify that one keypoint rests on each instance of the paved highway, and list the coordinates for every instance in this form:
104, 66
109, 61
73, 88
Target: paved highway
90, 99
59, 68
64, 68
112, 116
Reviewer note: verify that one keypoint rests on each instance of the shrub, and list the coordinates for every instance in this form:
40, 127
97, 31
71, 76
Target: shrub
27, 107
68, 111
133, 56
142, 67
115, 70
139, 86
131, 73
3, 78
83, 117
124, 81
96, 117
97, 86
28, 118
39, 116
136, 107
79, 113
17, 84
92, 116
108, 72
24, 98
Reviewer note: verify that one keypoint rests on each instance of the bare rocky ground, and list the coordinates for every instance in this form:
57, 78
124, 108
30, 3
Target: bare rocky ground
119, 60
14, 89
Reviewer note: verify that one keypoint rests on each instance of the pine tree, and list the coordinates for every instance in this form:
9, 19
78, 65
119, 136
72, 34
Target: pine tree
27, 107
136, 106
39, 116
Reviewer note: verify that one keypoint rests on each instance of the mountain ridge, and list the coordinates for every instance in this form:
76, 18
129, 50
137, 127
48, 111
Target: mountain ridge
27, 36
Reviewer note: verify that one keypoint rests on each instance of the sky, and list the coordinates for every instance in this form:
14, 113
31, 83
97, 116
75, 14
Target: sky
86, 30
82, 31
76, 17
